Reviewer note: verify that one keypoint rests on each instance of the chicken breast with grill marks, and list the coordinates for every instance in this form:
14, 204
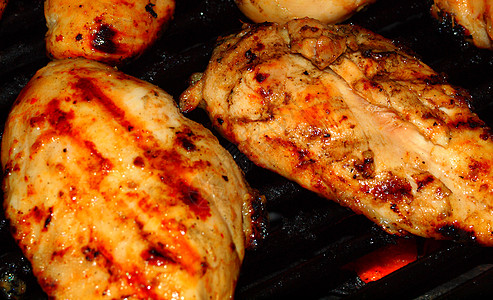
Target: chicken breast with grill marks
474, 16
345, 113
113, 194
110, 31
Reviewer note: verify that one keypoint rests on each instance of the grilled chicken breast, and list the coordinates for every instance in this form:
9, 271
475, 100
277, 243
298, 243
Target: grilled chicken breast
113, 194
345, 113
109, 31
328, 11
474, 16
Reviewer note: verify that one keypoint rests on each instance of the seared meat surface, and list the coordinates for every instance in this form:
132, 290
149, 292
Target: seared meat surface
103, 30
347, 114
329, 11
112, 193
474, 16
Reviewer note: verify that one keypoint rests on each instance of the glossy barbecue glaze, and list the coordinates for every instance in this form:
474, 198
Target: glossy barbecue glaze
103, 30
474, 16
113, 194
347, 114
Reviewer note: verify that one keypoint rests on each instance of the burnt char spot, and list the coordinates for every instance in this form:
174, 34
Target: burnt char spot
250, 56
48, 219
204, 266
150, 10
391, 189
476, 168
185, 141
157, 257
139, 162
487, 134
260, 77
424, 182
471, 122
220, 121
89, 253
102, 39
456, 233
308, 27
366, 167
78, 37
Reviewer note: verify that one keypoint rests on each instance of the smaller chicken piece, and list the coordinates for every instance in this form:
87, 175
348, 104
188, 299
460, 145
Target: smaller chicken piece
474, 16
327, 11
108, 31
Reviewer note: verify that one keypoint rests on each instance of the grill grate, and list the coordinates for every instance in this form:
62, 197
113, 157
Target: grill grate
311, 241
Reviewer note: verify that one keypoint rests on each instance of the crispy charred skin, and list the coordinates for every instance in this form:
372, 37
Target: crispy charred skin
347, 114
471, 18
112, 193
113, 32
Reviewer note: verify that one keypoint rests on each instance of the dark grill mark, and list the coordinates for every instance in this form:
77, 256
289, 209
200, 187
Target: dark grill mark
150, 10
260, 77
102, 39
157, 257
